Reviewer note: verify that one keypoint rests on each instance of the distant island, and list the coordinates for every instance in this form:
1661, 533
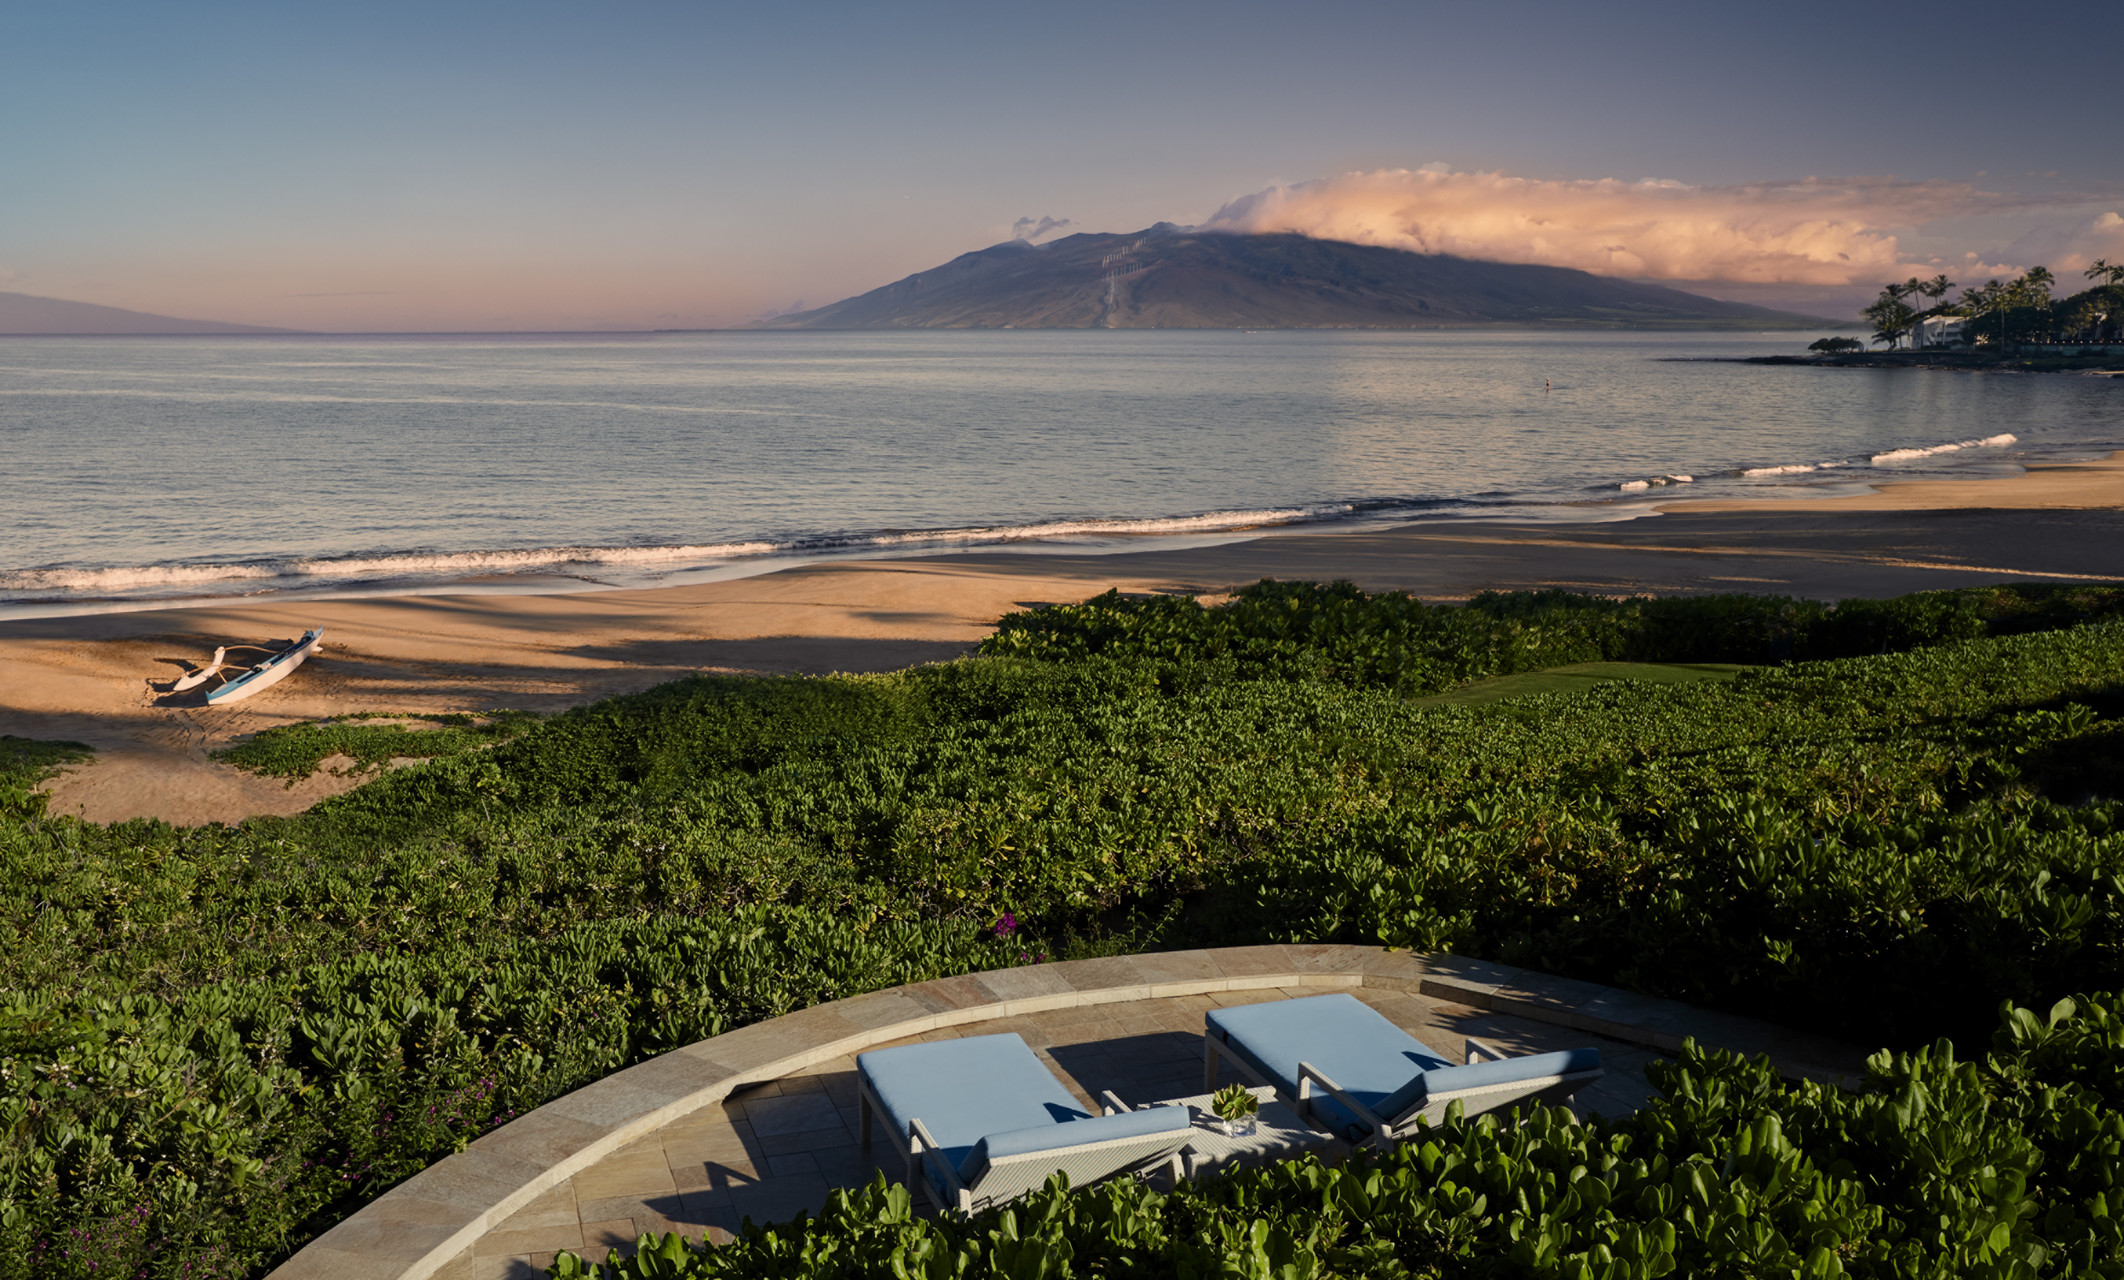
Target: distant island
23, 314
1169, 277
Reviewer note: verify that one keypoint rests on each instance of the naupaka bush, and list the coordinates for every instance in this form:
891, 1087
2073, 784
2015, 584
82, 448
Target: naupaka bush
217, 1041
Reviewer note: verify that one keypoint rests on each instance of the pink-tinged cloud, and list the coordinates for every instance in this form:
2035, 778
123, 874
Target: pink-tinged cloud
1811, 232
2068, 251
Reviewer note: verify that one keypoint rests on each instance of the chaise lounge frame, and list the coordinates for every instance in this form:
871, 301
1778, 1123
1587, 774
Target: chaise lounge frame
1006, 1178
1386, 1130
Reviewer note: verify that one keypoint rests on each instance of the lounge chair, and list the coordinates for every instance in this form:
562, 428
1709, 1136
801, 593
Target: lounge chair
1353, 1073
982, 1122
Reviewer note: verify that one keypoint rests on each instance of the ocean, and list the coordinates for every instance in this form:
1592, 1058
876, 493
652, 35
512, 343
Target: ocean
146, 471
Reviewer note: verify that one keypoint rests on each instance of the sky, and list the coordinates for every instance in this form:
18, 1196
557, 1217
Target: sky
644, 164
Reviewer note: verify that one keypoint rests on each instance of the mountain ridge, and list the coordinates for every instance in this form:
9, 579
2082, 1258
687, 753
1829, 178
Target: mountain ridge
1178, 278
28, 315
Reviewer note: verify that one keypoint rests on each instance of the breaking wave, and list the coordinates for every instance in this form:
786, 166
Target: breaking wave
1906, 455
296, 573
1878, 459
536, 568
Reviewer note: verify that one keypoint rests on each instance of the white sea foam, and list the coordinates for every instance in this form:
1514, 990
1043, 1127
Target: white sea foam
1634, 486
1211, 522
1907, 455
1797, 468
130, 577
326, 571
472, 562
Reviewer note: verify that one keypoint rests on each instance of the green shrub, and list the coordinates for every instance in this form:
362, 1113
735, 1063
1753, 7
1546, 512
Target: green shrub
296, 751
25, 762
1299, 630
215, 1042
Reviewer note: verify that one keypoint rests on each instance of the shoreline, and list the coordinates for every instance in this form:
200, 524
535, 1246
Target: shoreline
101, 678
2105, 360
2042, 486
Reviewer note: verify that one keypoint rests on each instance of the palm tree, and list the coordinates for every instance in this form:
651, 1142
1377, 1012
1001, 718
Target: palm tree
1979, 301
1932, 291
2034, 293
2107, 274
1891, 316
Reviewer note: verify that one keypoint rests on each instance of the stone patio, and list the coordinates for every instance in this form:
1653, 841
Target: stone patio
776, 1149
758, 1122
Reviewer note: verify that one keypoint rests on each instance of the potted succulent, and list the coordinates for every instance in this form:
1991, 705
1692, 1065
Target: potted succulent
1236, 1106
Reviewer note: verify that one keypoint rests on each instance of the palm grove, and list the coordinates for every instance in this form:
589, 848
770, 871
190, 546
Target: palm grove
1999, 313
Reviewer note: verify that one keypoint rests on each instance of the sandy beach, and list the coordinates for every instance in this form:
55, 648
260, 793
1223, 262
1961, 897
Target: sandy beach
102, 679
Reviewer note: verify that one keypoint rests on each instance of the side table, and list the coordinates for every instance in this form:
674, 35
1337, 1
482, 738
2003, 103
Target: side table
1278, 1135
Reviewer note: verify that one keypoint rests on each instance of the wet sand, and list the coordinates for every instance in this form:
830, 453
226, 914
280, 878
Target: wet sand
102, 679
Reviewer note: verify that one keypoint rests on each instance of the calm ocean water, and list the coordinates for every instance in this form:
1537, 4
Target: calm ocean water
163, 469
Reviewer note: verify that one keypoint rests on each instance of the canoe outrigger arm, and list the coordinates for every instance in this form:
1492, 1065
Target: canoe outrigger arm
194, 679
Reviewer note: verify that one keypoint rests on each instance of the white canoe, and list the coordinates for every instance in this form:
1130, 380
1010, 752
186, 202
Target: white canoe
268, 673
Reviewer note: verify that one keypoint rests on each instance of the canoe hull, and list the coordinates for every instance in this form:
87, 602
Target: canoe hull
268, 673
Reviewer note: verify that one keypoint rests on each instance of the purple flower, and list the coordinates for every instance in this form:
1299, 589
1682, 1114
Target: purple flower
1005, 925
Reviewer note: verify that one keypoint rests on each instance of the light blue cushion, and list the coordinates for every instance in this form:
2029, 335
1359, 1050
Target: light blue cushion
1372, 1060
1052, 1137
964, 1090
1477, 1075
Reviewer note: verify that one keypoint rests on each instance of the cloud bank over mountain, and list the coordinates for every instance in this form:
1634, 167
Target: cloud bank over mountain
1809, 232
1806, 239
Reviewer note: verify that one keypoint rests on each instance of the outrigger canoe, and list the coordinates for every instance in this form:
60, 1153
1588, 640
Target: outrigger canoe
268, 673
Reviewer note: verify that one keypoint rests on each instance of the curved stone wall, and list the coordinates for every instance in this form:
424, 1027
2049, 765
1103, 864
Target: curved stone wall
419, 1226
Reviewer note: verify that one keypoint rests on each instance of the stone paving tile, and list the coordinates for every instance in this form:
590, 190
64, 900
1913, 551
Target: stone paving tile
556, 1206
795, 1112
730, 1138
1243, 962
716, 1175
774, 1201
567, 1235
810, 1140
1061, 1021
658, 1213
601, 1238
641, 1169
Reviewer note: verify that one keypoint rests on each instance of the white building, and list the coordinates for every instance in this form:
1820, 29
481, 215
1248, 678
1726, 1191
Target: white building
1938, 331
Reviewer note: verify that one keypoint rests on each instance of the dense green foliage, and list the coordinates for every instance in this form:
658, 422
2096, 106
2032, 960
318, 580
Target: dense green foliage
2003, 313
24, 762
1306, 631
2000, 1169
216, 1041
295, 751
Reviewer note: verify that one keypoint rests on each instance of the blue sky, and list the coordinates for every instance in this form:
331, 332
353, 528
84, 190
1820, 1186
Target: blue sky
385, 166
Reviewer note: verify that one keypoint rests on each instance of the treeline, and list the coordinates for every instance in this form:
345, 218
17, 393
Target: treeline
215, 1042
2003, 313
